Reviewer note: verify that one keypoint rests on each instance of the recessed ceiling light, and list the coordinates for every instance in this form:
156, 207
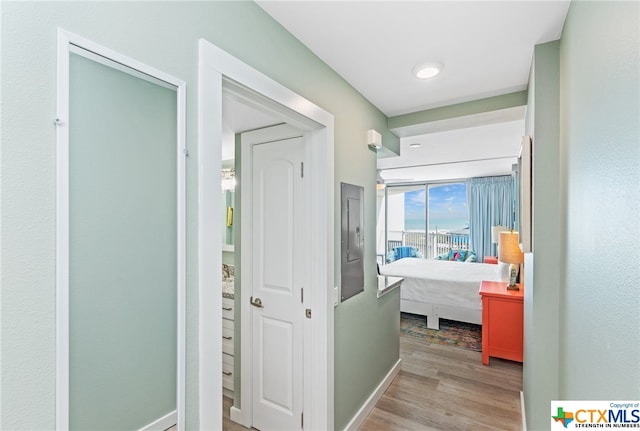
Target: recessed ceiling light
427, 70
415, 145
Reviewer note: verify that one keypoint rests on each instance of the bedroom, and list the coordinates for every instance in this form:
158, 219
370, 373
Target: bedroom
445, 193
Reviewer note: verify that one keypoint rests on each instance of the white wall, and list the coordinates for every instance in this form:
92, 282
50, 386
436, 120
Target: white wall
394, 218
395, 213
380, 221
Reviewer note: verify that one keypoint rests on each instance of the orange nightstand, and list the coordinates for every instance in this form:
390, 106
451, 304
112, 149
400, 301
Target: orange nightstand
502, 321
491, 259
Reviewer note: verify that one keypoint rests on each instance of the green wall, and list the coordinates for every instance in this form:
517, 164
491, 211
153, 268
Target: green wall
163, 35
582, 326
479, 106
600, 121
540, 372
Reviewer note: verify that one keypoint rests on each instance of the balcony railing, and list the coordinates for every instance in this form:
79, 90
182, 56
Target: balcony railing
431, 244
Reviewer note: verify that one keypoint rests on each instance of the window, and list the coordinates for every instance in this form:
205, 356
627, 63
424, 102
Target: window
432, 218
448, 218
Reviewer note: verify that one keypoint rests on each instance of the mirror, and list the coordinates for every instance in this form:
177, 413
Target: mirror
123, 289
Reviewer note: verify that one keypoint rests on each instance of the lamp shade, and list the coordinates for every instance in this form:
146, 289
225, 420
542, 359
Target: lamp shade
509, 248
495, 233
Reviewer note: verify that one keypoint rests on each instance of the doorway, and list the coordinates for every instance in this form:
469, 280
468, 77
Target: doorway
220, 72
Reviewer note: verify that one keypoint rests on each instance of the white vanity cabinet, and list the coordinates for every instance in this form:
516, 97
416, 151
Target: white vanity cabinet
227, 345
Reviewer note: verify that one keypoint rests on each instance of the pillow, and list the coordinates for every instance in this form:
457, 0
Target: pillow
401, 252
471, 257
457, 255
460, 256
443, 256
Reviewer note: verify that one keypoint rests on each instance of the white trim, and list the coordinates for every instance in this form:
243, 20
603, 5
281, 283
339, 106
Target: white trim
523, 415
122, 67
525, 162
109, 54
254, 80
62, 235
66, 43
235, 414
181, 202
161, 424
387, 284
216, 64
359, 418
209, 247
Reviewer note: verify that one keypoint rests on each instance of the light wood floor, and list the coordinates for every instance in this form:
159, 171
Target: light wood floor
448, 389
442, 388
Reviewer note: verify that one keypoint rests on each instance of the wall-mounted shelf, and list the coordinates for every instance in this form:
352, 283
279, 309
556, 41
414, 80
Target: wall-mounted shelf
386, 284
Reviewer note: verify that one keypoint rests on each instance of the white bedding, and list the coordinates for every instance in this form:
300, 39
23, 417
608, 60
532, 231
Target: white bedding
443, 282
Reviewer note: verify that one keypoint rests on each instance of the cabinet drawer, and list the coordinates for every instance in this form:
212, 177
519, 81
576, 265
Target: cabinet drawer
227, 336
227, 371
227, 308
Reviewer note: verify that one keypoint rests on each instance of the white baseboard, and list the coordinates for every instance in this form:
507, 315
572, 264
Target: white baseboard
375, 396
163, 423
524, 416
235, 414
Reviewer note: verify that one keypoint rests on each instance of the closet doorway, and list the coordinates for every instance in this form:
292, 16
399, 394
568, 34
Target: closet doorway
120, 242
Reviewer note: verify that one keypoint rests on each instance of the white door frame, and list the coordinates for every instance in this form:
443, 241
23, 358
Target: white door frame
68, 42
218, 72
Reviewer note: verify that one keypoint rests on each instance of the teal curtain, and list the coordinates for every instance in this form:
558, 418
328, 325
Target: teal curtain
491, 203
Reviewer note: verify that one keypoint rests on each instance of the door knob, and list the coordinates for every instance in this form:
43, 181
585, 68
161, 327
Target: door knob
256, 302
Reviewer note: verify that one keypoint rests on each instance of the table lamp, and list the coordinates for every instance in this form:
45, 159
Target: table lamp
510, 253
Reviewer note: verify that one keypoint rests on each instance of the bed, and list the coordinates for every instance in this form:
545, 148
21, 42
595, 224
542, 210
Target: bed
443, 289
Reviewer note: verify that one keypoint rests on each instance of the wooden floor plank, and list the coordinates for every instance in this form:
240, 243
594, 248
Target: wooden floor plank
227, 423
446, 388
442, 388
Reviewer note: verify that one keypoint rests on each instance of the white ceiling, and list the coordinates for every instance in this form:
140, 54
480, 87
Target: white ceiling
479, 151
486, 48
238, 117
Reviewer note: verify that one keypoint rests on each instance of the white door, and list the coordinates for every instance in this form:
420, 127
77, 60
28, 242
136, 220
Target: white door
278, 265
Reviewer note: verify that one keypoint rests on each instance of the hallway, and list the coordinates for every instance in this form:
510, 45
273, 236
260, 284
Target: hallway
446, 389
442, 388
